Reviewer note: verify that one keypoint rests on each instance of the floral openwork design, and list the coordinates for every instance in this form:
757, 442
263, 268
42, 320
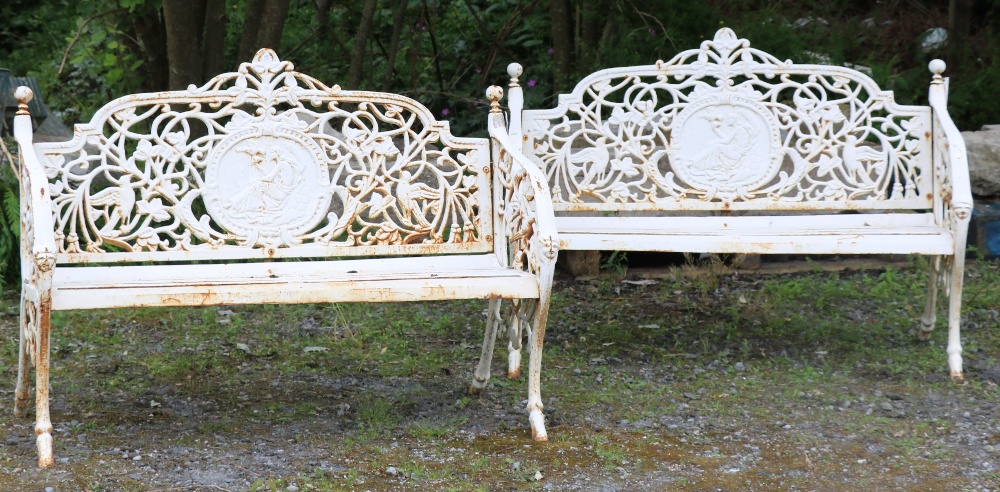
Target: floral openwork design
528, 249
268, 158
729, 126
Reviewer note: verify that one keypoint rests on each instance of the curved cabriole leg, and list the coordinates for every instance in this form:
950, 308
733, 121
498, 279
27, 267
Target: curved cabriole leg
482, 374
514, 334
43, 424
930, 312
35, 318
955, 317
536, 339
21, 394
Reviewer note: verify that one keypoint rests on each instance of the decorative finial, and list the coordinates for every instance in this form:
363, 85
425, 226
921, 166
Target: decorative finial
23, 96
494, 93
937, 67
514, 70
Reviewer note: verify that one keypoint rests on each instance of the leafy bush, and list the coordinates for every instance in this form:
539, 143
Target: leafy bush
10, 227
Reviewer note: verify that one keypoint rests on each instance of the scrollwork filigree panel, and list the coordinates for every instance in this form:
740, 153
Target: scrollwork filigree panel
728, 125
527, 249
268, 158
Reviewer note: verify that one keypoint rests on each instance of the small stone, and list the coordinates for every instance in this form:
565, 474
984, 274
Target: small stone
392, 471
516, 466
50, 489
740, 367
292, 488
538, 475
886, 406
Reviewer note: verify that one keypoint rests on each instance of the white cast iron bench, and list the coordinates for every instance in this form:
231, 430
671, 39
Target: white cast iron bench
726, 149
266, 186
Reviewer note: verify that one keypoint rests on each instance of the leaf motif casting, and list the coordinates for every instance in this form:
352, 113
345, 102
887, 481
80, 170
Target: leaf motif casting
267, 157
725, 125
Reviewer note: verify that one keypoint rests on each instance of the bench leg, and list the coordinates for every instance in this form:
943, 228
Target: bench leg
21, 394
36, 307
535, 340
955, 315
482, 374
517, 322
930, 312
43, 425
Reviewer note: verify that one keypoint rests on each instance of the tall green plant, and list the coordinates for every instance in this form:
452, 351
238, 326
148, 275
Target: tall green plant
10, 228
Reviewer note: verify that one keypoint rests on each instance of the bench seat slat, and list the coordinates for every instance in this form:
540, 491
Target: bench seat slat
371, 280
811, 234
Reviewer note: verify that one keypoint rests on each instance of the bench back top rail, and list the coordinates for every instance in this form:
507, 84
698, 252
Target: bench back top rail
729, 127
266, 162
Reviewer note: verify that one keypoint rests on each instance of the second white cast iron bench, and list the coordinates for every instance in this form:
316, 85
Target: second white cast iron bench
727, 149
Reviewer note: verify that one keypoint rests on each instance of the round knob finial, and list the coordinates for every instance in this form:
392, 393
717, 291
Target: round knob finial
494, 93
514, 70
937, 67
23, 95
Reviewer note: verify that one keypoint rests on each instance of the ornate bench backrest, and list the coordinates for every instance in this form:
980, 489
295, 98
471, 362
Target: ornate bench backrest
729, 127
266, 162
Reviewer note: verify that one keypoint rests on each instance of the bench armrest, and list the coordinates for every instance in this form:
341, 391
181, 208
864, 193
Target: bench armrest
949, 150
525, 222
38, 245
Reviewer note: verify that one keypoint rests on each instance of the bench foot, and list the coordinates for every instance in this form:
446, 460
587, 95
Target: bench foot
926, 327
513, 362
45, 459
955, 311
519, 314
955, 364
536, 339
930, 311
537, 420
482, 374
21, 394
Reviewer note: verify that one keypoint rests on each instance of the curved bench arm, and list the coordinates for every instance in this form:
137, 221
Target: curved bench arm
950, 156
524, 220
37, 233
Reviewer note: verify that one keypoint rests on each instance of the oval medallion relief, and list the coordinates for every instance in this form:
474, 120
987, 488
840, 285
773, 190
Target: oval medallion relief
726, 145
267, 185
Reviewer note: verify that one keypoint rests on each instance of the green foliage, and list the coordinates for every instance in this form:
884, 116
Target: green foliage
449, 51
10, 227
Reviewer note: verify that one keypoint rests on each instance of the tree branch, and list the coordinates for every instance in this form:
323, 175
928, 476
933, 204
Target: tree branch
79, 31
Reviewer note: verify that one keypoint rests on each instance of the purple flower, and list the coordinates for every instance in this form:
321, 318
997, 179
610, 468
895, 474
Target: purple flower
532, 82
444, 112
550, 51
479, 70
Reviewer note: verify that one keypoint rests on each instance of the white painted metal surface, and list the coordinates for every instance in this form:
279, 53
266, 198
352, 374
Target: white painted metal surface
370, 197
523, 205
725, 148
